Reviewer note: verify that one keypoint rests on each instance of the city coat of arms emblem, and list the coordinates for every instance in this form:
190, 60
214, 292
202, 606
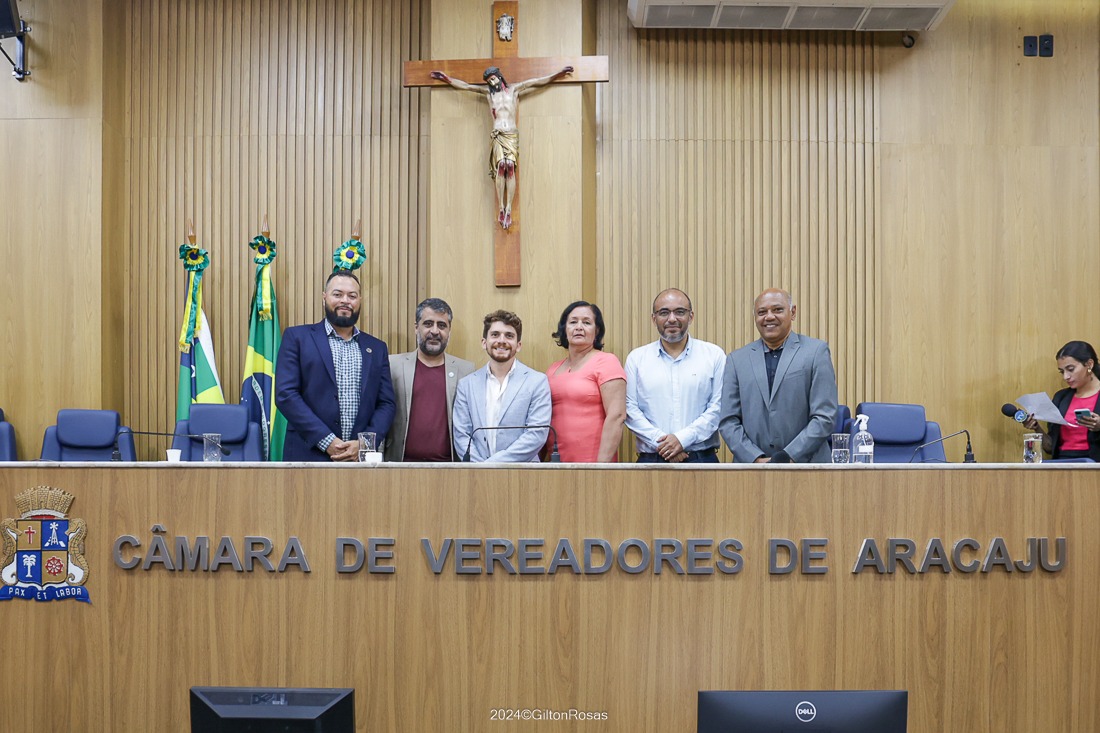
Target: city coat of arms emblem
42, 556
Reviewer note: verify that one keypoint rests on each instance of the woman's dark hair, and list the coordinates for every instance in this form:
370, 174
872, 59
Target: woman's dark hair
1082, 351
560, 336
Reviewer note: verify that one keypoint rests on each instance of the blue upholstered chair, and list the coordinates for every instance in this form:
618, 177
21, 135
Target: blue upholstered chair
239, 436
7, 440
898, 429
87, 435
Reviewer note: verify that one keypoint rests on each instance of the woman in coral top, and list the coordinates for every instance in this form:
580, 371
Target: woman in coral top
1077, 364
588, 389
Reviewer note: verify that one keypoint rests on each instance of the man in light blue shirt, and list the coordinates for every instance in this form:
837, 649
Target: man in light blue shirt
674, 388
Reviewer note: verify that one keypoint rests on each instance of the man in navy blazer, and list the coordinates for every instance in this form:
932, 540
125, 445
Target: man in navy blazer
332, 381
503, 392
779, 394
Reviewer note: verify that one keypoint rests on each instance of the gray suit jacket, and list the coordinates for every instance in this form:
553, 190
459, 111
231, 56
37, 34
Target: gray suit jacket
526, 402
402, 372
796, 415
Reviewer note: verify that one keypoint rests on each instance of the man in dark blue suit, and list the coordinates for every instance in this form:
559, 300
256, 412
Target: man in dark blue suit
333, 381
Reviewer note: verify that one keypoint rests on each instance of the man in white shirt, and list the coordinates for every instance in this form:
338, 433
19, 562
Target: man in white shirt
504, 393
674, 388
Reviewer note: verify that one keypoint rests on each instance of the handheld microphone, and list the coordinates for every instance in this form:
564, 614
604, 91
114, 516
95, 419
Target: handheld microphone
781, 456
968, 457
116, 454
1010, 410
554, 456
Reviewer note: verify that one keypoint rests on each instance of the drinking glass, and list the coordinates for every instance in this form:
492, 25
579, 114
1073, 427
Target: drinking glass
840, 453
211, 447
1033, 447
368, 444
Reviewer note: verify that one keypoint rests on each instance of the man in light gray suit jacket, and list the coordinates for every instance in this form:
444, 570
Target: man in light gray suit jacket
424, 383
503, 392
779, 395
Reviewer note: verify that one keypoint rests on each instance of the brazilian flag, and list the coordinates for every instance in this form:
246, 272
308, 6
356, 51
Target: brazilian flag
264, 336
198, 375
199, 380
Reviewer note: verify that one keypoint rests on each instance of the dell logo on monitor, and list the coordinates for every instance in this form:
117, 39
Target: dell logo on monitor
805, 711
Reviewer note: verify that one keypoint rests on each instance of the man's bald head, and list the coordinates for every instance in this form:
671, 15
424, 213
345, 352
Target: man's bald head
774, 311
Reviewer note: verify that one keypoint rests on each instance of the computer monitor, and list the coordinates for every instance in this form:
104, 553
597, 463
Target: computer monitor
805, 711
271, 710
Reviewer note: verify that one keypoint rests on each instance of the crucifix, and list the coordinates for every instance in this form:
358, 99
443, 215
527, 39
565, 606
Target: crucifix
504, 145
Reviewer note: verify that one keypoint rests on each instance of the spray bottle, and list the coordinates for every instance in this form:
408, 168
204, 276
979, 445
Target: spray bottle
863, 444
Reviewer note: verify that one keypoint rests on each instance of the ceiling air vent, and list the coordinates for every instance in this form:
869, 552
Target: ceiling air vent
865, 15
679, 16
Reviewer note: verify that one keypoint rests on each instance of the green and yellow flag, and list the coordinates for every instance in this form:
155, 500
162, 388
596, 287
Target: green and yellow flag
198, 374
264, 336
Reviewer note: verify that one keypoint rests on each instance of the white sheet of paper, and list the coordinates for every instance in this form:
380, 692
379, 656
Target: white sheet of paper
1042, 408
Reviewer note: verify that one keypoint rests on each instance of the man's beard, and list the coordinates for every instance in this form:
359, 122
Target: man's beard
431, 349
341, 321
496, 87
501, 359
677, 338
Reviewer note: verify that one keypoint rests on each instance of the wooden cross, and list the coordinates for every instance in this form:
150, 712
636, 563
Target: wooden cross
514, 68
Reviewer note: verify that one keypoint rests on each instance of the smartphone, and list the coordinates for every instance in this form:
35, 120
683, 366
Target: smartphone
1080, 414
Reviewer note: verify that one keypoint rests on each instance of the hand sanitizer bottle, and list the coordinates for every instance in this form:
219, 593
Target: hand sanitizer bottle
863, 444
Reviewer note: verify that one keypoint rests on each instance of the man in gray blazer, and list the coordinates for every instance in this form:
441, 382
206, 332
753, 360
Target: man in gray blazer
424, 382
504, 392
779, 395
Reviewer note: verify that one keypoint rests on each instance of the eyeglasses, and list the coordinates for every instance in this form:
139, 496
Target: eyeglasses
664, 313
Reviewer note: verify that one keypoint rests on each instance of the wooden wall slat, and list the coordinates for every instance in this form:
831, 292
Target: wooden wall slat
748, 150
264, 107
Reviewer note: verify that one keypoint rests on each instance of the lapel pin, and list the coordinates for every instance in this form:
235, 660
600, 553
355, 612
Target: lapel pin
368, 350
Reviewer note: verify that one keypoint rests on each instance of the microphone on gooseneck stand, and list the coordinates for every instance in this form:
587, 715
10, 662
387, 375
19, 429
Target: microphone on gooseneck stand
554, 456
1010, 410
968, 457
116, 454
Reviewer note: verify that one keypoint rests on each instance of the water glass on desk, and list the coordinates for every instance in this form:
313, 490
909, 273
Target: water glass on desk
1033, 447
368, 447
211, 447
840, 453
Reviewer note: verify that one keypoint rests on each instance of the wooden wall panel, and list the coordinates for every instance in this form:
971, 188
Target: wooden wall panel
51, 133
978, 652
926, 207
730, 162
269, 107
990, 247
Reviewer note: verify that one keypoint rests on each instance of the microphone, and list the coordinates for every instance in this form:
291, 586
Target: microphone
968, 457
116, 454
781, 456
1010, 410
554, 456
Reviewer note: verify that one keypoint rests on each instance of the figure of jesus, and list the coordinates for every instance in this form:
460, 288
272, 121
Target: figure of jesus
504, 138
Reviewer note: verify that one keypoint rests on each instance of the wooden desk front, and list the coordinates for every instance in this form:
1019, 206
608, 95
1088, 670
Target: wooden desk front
981, 652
